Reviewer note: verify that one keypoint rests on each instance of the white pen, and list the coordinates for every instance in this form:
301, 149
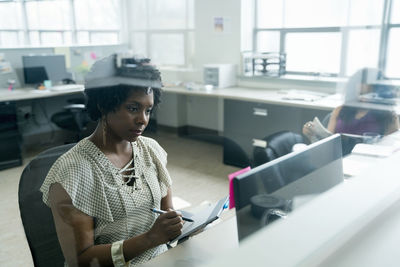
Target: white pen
163, 211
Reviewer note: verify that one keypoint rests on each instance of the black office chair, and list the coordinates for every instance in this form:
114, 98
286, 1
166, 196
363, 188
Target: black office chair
234, 154
37, 218
278, 144
74, 117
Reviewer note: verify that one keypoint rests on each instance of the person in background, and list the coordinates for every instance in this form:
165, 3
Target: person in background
353, 118
102, 190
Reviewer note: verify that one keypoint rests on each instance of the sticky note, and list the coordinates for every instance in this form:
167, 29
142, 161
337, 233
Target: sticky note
231, 193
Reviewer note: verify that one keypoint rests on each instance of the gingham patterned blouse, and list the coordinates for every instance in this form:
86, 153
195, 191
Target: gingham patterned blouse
96, 188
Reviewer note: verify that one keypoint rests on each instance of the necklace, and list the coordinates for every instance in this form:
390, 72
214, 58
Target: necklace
129, 178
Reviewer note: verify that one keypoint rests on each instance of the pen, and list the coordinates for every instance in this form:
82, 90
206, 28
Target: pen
162, 212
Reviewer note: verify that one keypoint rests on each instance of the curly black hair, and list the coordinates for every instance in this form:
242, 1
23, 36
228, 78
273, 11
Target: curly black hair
104, 100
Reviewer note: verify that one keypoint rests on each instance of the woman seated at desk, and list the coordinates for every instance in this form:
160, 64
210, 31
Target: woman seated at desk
353, 118
102, 190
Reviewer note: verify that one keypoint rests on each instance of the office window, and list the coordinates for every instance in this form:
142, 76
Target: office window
363, 50
313, 52
395, 15
393, 68
11, 28
162, 30
329, 37
59, 22
48, 15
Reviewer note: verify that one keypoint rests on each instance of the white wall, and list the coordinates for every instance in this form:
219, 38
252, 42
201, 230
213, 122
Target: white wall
211, 46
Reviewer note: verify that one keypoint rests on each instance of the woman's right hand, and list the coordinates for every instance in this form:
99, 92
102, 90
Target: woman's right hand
166, 227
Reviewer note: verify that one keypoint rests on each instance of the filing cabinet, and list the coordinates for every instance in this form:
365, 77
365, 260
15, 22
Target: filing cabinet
247, 123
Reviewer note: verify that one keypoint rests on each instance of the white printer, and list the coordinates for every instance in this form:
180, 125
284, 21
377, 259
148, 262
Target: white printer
220, 75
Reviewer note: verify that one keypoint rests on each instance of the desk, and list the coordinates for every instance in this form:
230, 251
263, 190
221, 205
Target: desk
247, 115
269, 96
202, 248
354, 224
10, 133
32, 93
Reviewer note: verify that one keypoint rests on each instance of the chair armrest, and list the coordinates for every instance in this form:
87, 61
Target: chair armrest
75, 107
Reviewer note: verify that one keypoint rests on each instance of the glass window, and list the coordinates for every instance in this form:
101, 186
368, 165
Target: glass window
104, 38
90, 14
395, 15
138, 14
48, 15
51, 38
362, 50
268, 41
393, 55
174, 55
9, 39
167, 14
10, 15
365, 12
34, 38
83, 37
313, 52
67, 37
139, 44
315, 13
190, 14
269, 14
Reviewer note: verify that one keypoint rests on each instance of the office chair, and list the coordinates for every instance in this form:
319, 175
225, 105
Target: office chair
74, 117
234, 154
278, 144
36, 217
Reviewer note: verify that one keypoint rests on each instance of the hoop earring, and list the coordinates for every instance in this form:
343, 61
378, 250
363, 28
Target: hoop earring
104, 124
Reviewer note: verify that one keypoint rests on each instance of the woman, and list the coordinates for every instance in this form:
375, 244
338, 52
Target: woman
101, 192
351, 119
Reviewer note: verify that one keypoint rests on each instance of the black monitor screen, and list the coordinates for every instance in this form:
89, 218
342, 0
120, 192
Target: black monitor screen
44, 67
294, 178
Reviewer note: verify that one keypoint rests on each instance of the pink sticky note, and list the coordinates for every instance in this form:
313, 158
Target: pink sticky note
93, 55
231, 194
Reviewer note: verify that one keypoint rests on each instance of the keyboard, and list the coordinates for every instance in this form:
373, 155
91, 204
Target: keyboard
63, 87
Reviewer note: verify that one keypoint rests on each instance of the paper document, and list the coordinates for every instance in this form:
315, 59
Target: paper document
200, 219
373, 150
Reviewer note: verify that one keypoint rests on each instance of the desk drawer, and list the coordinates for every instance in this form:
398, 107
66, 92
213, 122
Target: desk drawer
259, 119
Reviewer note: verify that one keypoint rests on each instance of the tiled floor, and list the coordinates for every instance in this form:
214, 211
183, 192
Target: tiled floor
196, 169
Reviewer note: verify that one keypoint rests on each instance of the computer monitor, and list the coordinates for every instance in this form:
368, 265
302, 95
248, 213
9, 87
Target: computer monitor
38, 68
296, 177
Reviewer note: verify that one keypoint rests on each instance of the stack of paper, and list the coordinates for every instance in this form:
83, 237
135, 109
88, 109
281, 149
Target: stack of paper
374, 150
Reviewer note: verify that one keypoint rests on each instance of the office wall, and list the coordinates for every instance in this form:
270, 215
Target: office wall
211, 46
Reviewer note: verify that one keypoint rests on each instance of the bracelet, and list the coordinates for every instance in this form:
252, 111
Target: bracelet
117, 254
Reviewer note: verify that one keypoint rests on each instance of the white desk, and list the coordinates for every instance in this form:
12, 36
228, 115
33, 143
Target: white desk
32, 93
202, 248
279, 97
354, 224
